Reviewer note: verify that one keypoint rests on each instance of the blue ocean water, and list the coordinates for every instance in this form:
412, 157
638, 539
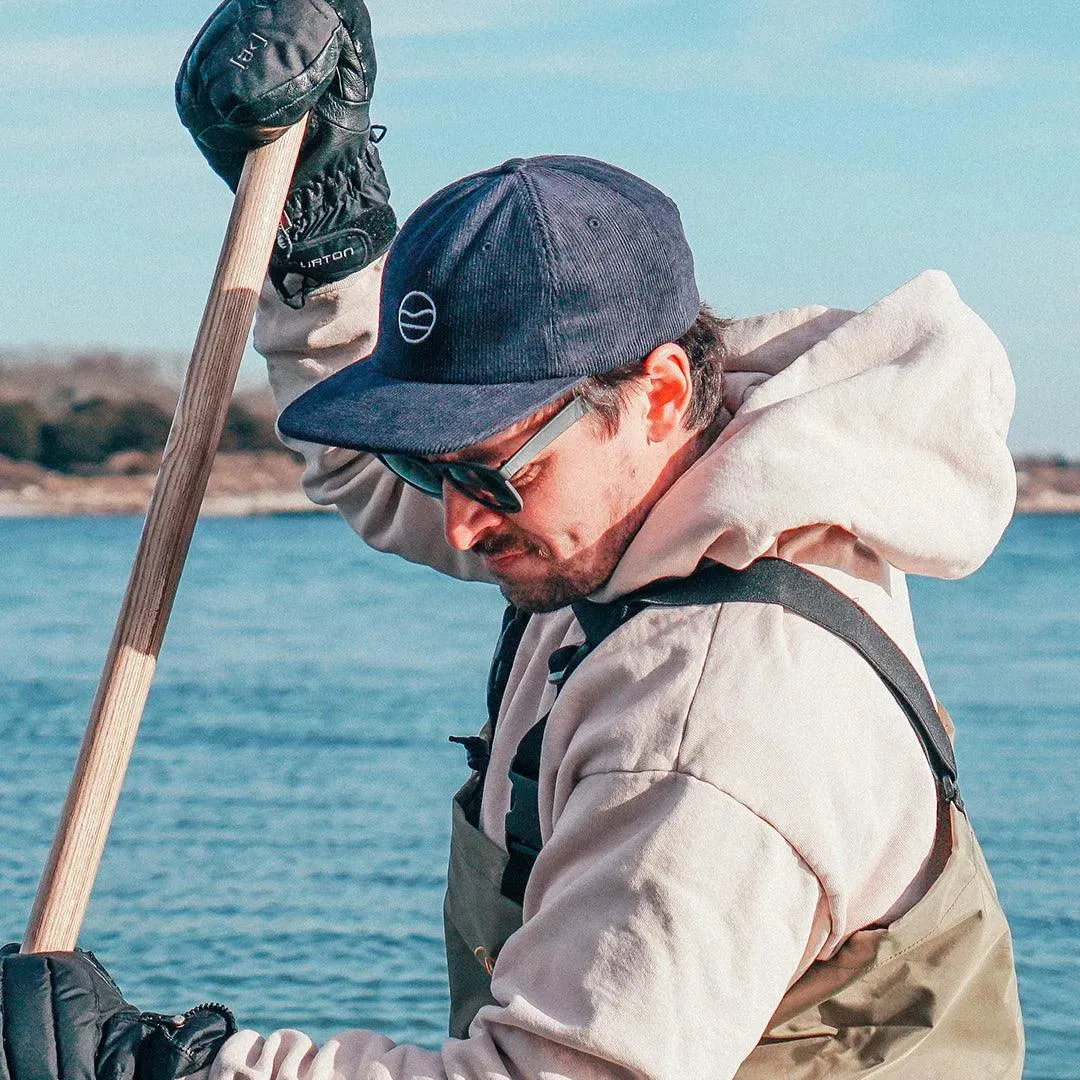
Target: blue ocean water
281, 841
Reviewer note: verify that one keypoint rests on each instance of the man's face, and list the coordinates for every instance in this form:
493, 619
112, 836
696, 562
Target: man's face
584, 496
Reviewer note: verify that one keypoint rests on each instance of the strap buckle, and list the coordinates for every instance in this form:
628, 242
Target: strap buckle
950, 792
477, 751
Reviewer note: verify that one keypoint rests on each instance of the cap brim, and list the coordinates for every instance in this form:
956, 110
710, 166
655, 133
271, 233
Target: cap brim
361, 408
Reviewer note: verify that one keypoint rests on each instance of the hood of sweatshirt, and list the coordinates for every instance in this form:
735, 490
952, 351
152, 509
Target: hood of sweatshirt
885, 427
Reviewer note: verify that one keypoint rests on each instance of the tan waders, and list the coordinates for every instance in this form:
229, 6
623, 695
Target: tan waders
932, 995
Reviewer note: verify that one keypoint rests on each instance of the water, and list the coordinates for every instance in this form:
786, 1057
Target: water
281, 841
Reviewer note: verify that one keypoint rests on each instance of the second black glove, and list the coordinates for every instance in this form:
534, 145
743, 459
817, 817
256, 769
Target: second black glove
63, 1018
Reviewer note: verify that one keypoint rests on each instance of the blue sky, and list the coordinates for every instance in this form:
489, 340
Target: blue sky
821, 152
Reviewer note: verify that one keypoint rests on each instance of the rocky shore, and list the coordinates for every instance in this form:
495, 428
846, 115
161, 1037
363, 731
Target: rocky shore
1047, 486
268, 482
249, 482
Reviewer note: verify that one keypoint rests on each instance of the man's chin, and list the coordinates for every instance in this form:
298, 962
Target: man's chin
547, 593
537, 582
532, 600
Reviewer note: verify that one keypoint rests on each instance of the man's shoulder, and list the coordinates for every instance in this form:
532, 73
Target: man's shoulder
776, 713
702, 685
742, 695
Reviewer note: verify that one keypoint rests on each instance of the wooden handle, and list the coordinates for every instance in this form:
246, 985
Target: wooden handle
64, 890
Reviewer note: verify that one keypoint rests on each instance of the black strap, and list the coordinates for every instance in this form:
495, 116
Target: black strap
765, 581
523, 840
478, 747
513, 627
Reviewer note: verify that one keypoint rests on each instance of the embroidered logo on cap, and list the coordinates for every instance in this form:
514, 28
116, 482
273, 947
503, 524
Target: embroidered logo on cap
416, 317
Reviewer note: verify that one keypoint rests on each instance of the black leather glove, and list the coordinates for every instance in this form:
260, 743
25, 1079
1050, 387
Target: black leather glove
63, 1018
256, 67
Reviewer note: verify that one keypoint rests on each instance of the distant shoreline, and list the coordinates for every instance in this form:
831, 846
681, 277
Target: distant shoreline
251, 483
102, 417
242, 484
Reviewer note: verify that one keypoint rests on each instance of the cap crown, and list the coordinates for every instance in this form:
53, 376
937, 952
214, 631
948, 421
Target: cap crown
542, 268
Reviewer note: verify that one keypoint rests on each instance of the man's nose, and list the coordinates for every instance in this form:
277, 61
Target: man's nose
464, 519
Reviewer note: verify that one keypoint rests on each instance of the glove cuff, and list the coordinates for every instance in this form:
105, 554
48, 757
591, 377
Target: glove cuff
184, 1045
297, 269
333, 226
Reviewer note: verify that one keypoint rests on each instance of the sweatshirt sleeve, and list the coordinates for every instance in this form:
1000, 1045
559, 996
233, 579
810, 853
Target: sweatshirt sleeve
664, 922
337, 326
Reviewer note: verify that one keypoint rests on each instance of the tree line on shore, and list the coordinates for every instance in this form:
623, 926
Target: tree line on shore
72, 412
87, 433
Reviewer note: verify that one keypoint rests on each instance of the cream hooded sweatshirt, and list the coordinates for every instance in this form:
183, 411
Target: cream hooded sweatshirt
729, 792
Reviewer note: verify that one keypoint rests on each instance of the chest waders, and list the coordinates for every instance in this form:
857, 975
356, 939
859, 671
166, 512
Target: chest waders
932, 995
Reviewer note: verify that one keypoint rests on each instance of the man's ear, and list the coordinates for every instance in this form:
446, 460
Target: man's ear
669, 388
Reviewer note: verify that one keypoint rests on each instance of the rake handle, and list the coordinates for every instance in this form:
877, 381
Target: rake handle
66, 882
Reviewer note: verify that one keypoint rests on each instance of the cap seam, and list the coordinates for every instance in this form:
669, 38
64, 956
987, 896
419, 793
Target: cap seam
651, 225
549, 257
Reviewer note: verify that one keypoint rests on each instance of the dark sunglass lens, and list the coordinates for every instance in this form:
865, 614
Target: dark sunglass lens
425, 475
485, 486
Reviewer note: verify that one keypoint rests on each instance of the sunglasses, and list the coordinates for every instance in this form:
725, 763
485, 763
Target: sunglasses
488, 485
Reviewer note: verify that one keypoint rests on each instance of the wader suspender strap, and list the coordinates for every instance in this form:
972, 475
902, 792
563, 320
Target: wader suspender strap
765, 581
478, 747
513, 626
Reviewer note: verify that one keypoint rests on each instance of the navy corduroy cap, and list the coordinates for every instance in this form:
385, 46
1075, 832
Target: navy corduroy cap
500, 293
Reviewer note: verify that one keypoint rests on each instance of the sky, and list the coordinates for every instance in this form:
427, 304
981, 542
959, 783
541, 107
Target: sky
820, 152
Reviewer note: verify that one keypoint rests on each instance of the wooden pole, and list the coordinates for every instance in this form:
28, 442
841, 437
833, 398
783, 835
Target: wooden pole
68, 877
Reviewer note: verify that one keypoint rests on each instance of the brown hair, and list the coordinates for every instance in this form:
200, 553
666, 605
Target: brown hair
703, 343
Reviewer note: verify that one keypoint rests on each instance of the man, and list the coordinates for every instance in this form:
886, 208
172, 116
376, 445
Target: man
704, 835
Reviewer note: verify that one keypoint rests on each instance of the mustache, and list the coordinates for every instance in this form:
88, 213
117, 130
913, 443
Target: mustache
495, 546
